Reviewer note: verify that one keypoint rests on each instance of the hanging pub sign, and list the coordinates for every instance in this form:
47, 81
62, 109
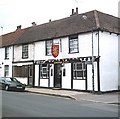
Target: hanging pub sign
55, 50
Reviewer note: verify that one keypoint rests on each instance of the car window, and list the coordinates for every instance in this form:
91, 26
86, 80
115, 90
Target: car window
2, 79
8, 79
14, 79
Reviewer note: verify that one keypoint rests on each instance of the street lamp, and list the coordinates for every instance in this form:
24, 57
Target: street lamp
1, 30
1, 36
85, 18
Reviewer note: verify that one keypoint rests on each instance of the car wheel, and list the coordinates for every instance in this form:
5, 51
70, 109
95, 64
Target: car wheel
6, 87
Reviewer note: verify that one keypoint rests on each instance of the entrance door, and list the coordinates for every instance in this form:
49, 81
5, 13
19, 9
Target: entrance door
30, 75
57, 75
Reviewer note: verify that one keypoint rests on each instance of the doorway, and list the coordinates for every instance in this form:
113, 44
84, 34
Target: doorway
57, 75
30, 75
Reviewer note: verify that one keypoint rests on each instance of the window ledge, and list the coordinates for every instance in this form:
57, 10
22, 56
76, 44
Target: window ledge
6, 58
73, 52
24, 57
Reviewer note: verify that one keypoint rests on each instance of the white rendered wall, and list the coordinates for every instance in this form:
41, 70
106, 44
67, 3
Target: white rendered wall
1, 61
108, 61
22, 80
36, 75
40, 50
79, 84
52, 77
85, 44
89, 77
119, 61
18, 53
44, 82
85, 47
66, 80
4, 61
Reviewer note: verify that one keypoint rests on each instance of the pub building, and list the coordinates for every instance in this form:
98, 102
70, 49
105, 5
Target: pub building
80, 52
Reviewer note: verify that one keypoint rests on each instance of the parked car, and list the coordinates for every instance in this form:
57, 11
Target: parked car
11, 83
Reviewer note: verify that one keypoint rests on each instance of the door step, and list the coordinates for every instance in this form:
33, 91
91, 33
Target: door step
56, 88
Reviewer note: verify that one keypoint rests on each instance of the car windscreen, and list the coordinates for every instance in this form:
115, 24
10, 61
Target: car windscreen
1, 78
8, 79
14, 79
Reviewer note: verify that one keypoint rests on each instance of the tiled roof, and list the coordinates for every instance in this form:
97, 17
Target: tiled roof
109, 23
59, 28
11, 38
64, 27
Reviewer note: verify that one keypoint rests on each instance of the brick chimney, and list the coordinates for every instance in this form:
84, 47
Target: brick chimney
34, 24
76, 10
19, 27
74, 13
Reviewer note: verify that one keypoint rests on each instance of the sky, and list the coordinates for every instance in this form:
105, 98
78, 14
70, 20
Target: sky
23, 12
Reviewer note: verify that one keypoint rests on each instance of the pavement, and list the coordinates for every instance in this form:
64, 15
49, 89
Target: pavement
109, 98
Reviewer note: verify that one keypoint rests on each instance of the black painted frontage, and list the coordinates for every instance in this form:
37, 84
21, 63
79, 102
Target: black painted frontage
58, 71
57, 76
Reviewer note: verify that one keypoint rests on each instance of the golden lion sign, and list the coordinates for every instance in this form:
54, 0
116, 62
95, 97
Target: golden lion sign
55, 50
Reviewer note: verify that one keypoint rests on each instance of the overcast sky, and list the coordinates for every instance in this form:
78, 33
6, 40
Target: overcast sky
24, 12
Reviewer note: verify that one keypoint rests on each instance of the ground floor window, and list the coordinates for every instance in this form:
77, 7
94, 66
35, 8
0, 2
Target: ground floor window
6, 70
79, 71
44, 71
20, 71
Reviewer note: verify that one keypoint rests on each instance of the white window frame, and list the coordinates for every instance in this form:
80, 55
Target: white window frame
25, 51
49, 47
73, 44
44, 71
76, 70
6, 52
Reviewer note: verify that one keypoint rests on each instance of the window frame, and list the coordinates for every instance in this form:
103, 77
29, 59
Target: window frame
6, 52
50, 47
42, 73
83, 70
25, 51
20, 71
6, 70
74, 46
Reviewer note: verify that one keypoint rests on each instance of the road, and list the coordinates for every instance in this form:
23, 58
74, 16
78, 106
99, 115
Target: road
25, 104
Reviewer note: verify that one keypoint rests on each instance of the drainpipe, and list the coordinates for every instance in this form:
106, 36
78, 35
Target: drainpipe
98, 63
93, 85
12, 60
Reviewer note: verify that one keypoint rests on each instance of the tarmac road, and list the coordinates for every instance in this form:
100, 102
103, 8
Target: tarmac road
25, 104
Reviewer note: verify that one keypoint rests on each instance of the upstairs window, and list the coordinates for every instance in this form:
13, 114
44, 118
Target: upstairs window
73, 44
48, 47
24, 51
6, 52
